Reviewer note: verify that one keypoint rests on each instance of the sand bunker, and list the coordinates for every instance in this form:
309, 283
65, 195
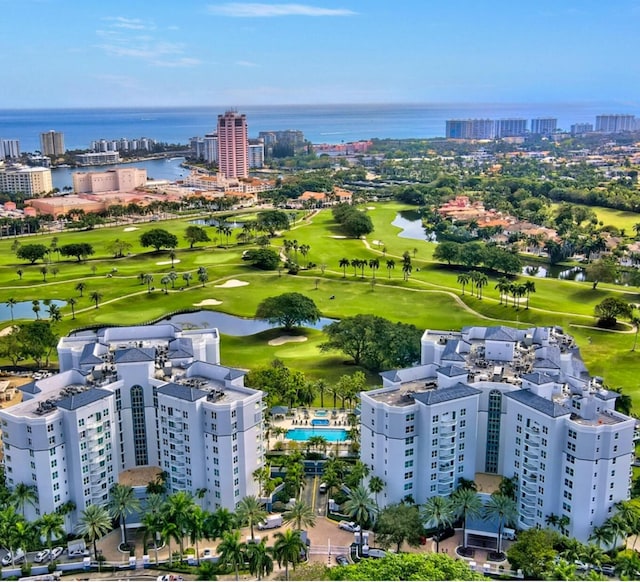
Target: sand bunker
208, 302
232, 283
7, 331
338, 236
285, 339
130, 228
377, 242
371, 207
168, 262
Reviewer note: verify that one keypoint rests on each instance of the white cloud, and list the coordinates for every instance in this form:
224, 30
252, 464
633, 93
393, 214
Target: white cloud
246, 64
258, 10
129, 23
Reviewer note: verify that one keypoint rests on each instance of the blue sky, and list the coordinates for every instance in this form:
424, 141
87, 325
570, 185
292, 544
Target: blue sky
71, 53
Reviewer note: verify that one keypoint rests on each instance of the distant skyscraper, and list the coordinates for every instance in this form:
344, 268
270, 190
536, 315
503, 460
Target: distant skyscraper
256, 153
470, 129
9, 149
578, 128
544, 125
233, 145
510, 127
615, 123
52, 143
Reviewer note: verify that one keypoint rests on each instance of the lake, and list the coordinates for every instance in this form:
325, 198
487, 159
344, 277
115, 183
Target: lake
410, 222
24, 310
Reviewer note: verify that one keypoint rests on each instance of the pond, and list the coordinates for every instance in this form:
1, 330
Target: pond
230, 324
216, 222
555, 272
411, 224
24, 310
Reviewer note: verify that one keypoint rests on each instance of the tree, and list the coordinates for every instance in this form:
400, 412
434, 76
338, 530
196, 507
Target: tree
119, 248
344, 263
288, 548
437, 512
301, 514
187, 278
24, 495
32, 252
259, 558
94, 523
271, 221
78, 250
359, 506
148, 279
534, 553
265, 259
529, 287
195, 527
603, 270
35, 306
96, 296
503, 508
11, 303
608, 310
37, 340
231, 551
376, 485
178, 508
357, 224
466, 503
463, 279
288, 310
250, 511
203, 276
80, 287
407, 567
447, 251
391, 264
158, 238
122, 502
51, 525
397, 524
195, 234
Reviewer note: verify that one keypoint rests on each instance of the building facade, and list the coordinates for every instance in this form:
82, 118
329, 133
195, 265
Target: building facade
9, 149
52, 143
470, 129
503, 401
615, 123
233, 145
544, 125
98, 158
510, 127
124, 179
132, 397
23, 179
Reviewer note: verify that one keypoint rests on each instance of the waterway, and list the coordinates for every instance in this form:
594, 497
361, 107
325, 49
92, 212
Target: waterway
410, 222
24, 310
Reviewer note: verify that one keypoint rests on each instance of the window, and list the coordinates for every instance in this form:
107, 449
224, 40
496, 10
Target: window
408, 475
409, 452
408, 441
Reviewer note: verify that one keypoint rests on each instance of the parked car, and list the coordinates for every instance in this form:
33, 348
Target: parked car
581, 566
608, 570
56, 552
322, 488
19, 557
444, 534
42, 555
377, 553
342, 560
349, 525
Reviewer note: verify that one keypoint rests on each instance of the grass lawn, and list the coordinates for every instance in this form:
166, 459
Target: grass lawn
621, 219
431, 298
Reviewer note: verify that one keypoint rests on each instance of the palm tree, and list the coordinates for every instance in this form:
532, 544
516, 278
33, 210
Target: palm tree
8, 522
321, 386
153, 518
250, 511
287, 549
374, 265
165, 283
172, 256
122, 502
179, 506
94, 523
231, 551
635, 321
148, 279
65, 510
260, 561
51, 525
219, 522
463, 279
360, 507
503, 288
24, 494
203, 276
195, 527
72, 303
376, 485
391, 264
301, 514
504, 508
171, 531
80, 287
602, 536
466, 503
438, 512
96, 296
11, 303
480, 282
173, 276
35, 305
529, 287
187, 277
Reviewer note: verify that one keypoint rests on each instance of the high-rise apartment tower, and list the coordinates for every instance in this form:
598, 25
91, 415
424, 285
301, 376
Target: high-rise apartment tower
233, 145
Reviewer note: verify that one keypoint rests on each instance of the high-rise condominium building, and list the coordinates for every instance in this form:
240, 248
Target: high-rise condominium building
506, 402
52, 143
615, 123
510, 127
470, 129
9, 149
131, 398
579, 128
544, 125
233, 145
256, 153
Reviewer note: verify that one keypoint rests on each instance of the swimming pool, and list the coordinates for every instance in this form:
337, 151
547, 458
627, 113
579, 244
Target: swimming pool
320, 422
321, 413
332, 435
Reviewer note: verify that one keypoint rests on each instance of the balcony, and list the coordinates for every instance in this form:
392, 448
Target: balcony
531, 467
529, 490
447, 456
528, 513
531, 443
527, 522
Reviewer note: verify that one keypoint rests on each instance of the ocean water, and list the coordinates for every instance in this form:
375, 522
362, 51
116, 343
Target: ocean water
319, 123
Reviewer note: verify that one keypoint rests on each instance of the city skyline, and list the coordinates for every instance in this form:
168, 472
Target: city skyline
233, 53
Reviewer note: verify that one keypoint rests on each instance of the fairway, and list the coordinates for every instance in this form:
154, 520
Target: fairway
430, 298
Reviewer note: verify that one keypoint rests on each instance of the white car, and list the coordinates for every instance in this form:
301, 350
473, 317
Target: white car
349, 526
19, 557
42, 555
56, 552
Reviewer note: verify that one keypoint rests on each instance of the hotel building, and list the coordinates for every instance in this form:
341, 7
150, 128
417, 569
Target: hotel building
544, 125
233, 145
135, 397
503, 401
29, 181
52, 143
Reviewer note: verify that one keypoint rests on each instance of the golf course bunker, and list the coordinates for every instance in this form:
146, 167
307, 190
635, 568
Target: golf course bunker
285, 339
130, 228
338, 236
232, 283
208, 302
377, 242
371, 207
168, 262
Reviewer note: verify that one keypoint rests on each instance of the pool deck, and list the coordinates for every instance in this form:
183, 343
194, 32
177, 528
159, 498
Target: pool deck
301, 420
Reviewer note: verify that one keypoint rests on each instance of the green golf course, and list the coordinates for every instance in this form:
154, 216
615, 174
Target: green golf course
430, 298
